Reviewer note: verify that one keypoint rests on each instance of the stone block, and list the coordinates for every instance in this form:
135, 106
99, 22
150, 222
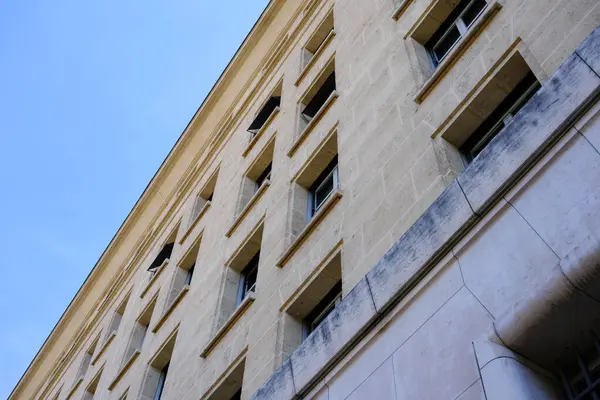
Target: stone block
562, 201
538, 122
438, 361
279, 386
380, 385
497, 268
344, 323
589, 50
429, 235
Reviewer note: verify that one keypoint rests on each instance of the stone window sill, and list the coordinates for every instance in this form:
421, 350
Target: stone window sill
171, 308
456, 51
239, 311
154, 278
238, 220
259, 134
315, 57
311, 125
74, 388
400, 8
124, 370
310, 227
109, 340
193, 224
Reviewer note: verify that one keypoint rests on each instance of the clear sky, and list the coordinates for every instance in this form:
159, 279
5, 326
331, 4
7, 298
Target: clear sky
93, 95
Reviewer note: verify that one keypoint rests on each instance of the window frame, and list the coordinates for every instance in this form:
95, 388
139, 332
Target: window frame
319, 94
331, 171
264, 176
501, 117
318, 314
453, 21
244, 286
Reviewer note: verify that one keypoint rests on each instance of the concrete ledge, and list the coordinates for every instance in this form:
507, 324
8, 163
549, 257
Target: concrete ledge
193, 224
171, 308
451, 57
589, 51
539, 123
124, 369
107, 343
279, 386
313, 122
400, 9
260, 132
238, 220
420, 246
154, 278
245, 304
312, 224
315, 57
325, 344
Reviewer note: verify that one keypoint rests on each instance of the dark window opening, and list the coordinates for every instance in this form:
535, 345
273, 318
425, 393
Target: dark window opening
264, 114
323, 186
265, 175
500, 117
190, 274
316, 103
581, 378
248, 278
322, 310
161, 382
454, 27
164, 254
237, 395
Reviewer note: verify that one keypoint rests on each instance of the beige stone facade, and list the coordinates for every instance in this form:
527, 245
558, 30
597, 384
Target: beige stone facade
460, 278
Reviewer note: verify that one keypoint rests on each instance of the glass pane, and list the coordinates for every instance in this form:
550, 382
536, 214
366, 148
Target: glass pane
446, 43
471, 14
323, 191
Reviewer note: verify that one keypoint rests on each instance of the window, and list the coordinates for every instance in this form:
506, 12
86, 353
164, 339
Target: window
318, 41
500, 117
190, 273
322, 310
581, 379
139, 331
323, 186
264, 176
263, 115
453, 28
314, 105
248, 278
161, 382
163, 255
237, 395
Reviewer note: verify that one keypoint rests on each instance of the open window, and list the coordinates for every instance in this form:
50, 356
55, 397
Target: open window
162, 257
316, 298
323, 187
317, 42
154, 385
455, 25
267, 110
492, 107
247, 281
318, 98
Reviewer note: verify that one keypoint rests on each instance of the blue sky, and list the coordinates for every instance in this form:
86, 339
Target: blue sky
93, 95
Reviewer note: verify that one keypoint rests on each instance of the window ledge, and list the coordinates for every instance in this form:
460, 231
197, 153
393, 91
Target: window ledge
110, 338
399, 10
312, 224
154, 278
314, 58
125, 368
75, 387
193, 224
462, 44
238, 220
311, 125
171, 308
262, 130
239, 311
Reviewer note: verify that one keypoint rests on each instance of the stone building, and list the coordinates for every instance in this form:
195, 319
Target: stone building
379, 199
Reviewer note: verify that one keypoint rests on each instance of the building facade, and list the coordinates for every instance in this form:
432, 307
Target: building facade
379, 199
